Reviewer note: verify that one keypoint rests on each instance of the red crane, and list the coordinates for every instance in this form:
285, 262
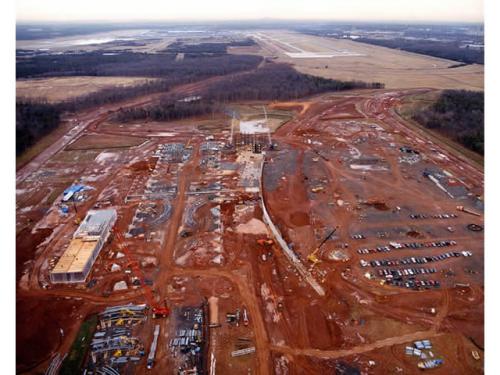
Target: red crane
157, 310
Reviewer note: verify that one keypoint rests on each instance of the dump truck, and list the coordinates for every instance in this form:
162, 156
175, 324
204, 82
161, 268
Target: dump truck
152, 351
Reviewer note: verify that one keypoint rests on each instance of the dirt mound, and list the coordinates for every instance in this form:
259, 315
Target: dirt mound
253, 226
379, 205
140, 166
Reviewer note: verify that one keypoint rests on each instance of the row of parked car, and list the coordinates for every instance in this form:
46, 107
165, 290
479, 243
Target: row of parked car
436, 216
409, 245
414, 260
415, 284
358, 236
399, 274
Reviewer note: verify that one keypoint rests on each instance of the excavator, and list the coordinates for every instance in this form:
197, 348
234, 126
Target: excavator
158, 311
312, 257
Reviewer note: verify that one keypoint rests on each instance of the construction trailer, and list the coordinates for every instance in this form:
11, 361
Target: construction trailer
76, 263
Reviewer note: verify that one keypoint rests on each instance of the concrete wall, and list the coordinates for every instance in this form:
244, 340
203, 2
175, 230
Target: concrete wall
284, 246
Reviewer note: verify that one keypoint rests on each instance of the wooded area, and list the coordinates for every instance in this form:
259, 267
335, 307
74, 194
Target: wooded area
33, 121
271, 82
129, 64
459, 115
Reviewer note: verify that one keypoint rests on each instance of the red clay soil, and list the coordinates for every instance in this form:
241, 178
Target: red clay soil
26, 244
37, 338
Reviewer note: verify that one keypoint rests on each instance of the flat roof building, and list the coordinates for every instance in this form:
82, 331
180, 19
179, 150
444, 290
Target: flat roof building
75, 264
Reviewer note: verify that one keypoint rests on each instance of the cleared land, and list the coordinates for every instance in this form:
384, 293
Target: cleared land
98, 141
62, 88
204, 216
189, 202
348, 60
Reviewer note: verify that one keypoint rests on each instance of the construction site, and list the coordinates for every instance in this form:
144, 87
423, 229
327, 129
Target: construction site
325, 235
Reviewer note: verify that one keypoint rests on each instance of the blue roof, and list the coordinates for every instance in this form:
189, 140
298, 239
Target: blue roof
74, 189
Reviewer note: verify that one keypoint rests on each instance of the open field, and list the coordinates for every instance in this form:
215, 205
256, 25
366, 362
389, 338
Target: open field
348, 60
192, 206
62, 88
95, 141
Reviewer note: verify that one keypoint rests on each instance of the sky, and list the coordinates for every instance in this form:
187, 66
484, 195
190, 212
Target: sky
337, 10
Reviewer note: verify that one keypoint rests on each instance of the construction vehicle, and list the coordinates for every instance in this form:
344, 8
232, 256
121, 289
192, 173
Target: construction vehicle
468, 211
158, 311
313, 258
152, 351
317, 189
264, 242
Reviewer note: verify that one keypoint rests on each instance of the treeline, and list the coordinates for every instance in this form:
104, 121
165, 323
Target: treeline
168, 110
35, 118
444, 50
134, 64
33, 121
271, 82
459, 115
113, 95
277, 82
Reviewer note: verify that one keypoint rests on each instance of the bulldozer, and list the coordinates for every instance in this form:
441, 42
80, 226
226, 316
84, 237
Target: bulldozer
313, 257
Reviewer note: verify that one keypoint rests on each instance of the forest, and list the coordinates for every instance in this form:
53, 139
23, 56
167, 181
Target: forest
33, 121
271, 82
192, 67
459, 115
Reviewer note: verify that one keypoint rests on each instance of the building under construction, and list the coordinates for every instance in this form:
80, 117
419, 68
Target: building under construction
75, 264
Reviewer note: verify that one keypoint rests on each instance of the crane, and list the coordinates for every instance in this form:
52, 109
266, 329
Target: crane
313, 257
158, 310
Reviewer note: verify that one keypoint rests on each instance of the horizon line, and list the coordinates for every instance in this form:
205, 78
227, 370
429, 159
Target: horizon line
265, 19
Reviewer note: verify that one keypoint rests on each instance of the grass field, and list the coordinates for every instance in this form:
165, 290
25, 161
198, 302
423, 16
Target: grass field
62, 88
77, 156
73, 362
41, 145
104, 141
359, 61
